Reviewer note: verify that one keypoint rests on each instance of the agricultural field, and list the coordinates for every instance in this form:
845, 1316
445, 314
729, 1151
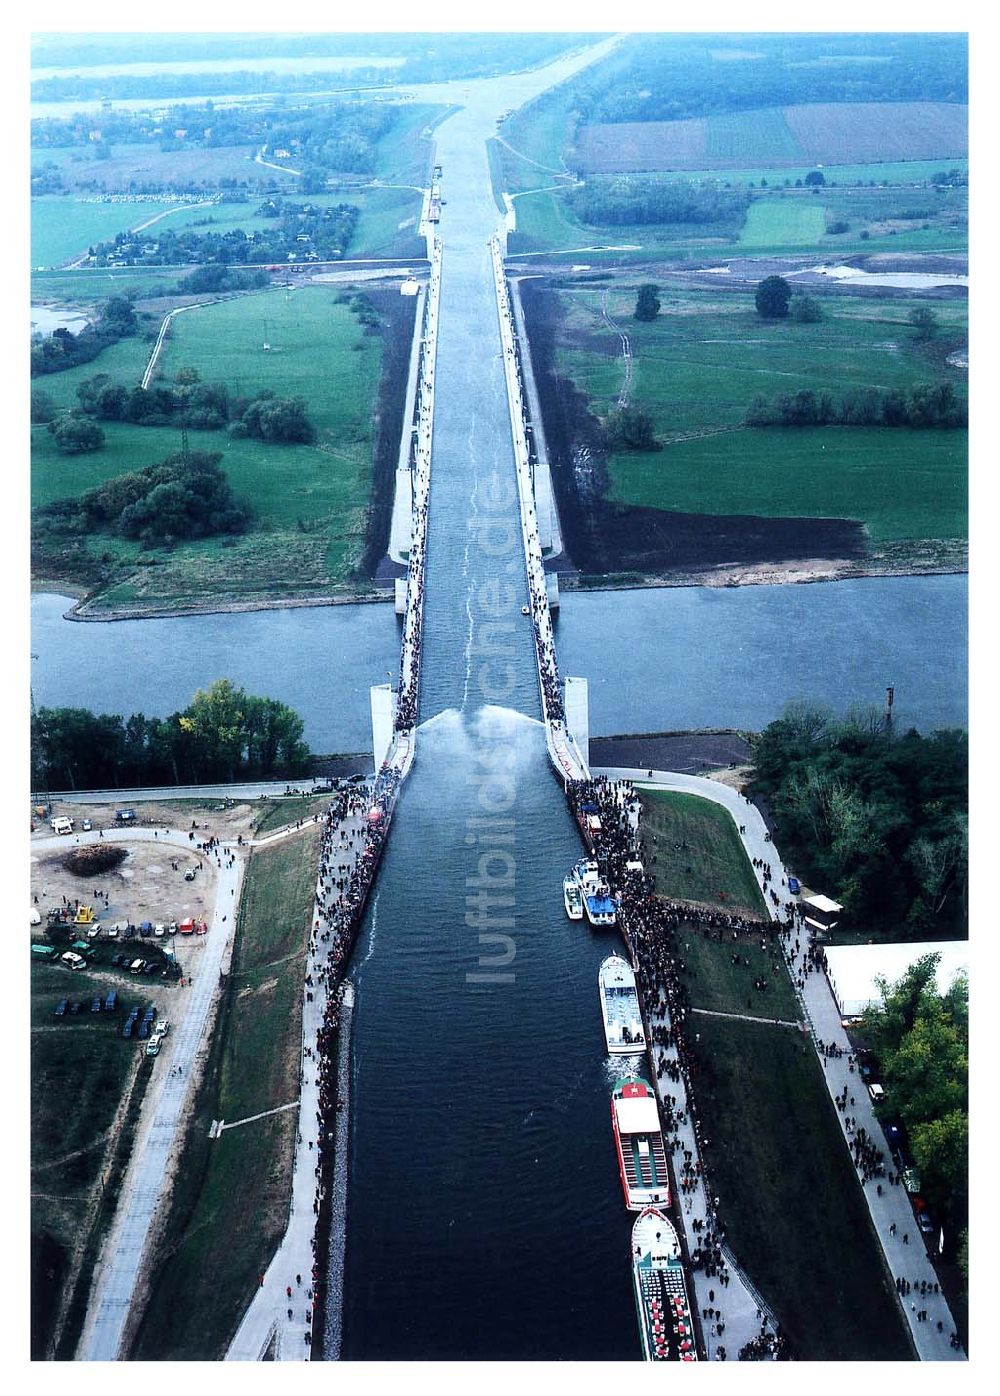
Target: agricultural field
210, 1259
842, 133
63, 227
146, 166
310, 501
699, 365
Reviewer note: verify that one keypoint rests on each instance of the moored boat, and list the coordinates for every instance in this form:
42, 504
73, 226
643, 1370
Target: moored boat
597, 899
623, 1030
661, 1299
573, 899
642, 1157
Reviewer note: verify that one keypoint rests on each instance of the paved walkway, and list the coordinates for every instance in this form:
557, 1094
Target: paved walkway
167, 1097
891, 1214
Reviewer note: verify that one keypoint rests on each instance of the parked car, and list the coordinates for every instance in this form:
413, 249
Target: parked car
153, 1046
127, 1028
151, 966
86, 826
144, 1028
137, 966
146, 928
111, 1002
159, 929
118, 960
113, 932
61, 1007
75, 1007
189, 875
73, 961
172, 929
162, 1028
96, 1004
150, 1012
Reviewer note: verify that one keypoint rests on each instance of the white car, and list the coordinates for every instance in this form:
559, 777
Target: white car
159, 930
86, 826
162, 1028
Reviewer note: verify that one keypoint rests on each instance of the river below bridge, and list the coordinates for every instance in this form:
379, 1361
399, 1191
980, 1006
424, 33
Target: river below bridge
666, 658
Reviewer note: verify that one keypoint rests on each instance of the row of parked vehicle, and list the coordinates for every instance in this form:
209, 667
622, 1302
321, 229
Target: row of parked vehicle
130, 966
899, 1147
125, 930
97, 1005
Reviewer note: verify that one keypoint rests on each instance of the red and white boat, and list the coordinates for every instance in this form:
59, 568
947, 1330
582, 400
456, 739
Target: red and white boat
642, 1157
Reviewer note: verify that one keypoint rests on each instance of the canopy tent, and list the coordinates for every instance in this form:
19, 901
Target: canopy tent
853, 969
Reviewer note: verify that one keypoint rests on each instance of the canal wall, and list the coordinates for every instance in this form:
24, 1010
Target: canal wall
563, 751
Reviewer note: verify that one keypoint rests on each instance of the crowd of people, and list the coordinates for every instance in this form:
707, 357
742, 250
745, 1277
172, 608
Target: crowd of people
409, 662
541, 616
354, 831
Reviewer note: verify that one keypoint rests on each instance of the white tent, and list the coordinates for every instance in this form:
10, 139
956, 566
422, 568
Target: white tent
853, 969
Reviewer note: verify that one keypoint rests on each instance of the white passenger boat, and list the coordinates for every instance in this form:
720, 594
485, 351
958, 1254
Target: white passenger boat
623, 1030
573, 899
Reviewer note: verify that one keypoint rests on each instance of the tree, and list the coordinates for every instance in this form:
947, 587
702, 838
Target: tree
806, 310
75, 435
772, 297
924, 322
43, 409
815, 178
631, 429
647, 303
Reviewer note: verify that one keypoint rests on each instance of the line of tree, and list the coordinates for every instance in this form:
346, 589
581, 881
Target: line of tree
61, 350
183, 497
628, 199
224, 734
924, 406
201, 406
920, 1038
878, 822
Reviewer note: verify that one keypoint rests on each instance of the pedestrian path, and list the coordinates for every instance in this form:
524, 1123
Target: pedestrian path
119, 1266
891, 1213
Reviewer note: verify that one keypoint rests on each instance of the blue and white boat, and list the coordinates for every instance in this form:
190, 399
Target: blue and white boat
597, 899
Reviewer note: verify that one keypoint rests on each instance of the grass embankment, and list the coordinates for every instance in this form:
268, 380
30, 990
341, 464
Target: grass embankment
310, 503
81, 1071
790, 1200
276, 814
698, 857
700, 364
210, 1256
695, 853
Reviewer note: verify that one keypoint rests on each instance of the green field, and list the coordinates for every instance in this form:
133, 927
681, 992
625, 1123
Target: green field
694, 851
782, 223
753, 136
791, 1205
310, 502
80, 1070
89, 285
700, 364
210, 1258
63, 227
